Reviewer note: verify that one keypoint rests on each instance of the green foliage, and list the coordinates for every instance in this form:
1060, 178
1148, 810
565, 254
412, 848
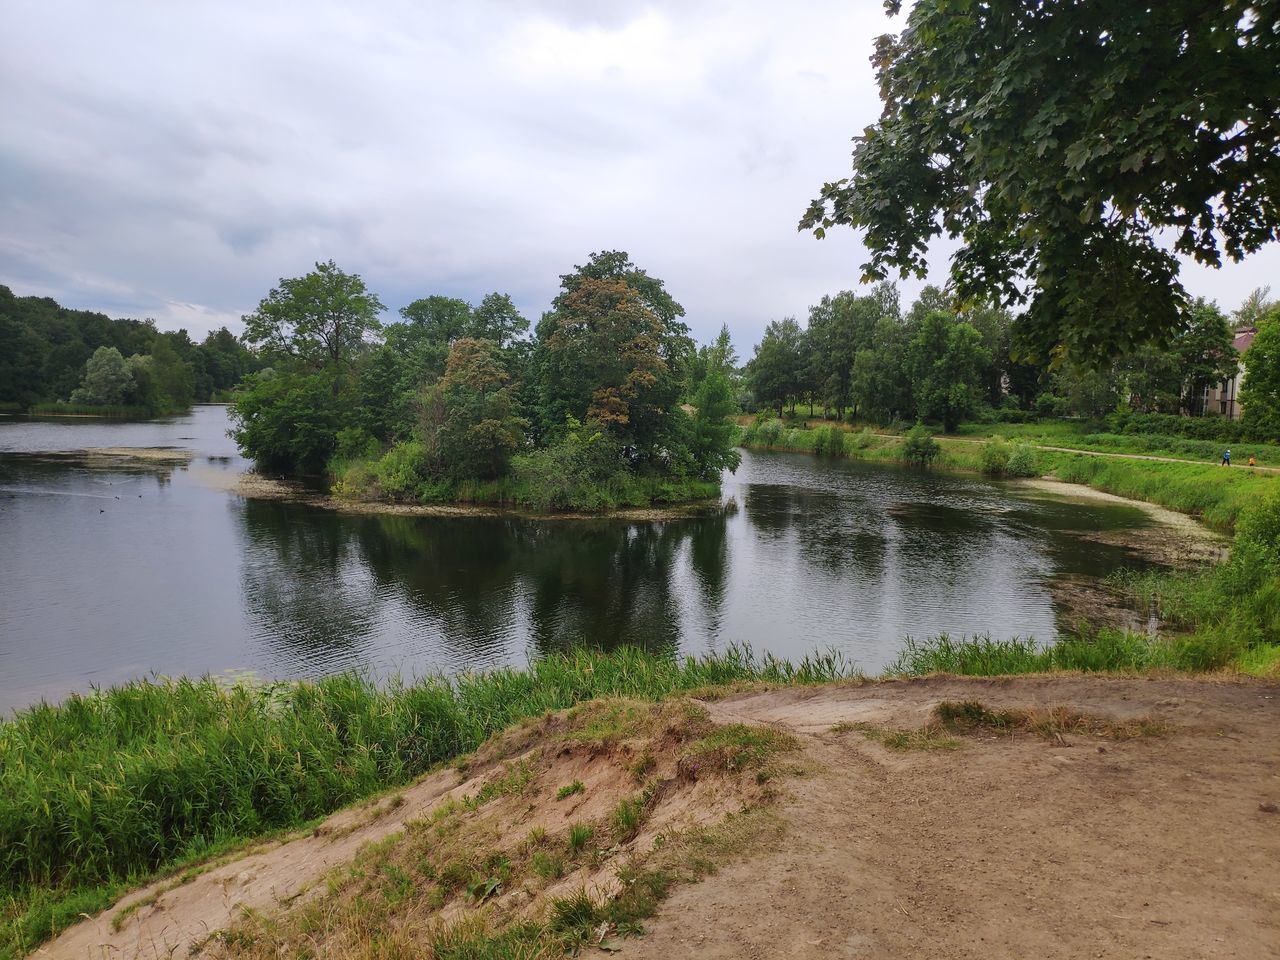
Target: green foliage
468, 420
321, 319
107, 379
572, 473
1000, 459
775, 373
1260, 391
711, 445
568, 790
1035, 134
995, 458
453, 406
918, 446
829, 442
289, 421
1023, 461
945, 360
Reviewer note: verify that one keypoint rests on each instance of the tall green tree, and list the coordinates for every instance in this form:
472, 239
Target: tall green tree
1203, 351
776, 372
1055, 139
321, 319
1260, 391
107, 379
1253, 309
469, 421
173, 376
497, 319
945, 361
438, 319
714, 401
617, 265
604, 362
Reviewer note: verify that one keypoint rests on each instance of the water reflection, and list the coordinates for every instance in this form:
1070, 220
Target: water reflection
476, 589
111, 569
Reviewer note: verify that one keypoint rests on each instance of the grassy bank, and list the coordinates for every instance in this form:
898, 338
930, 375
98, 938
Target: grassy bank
536, 483
1215, 494
1226, 615
1080, 435
102, 791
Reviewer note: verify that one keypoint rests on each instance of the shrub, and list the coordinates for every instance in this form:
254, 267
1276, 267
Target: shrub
919, 447
1023, 461
769, 433
828, 442
398, 472
995, 458
1257, 544
863, 438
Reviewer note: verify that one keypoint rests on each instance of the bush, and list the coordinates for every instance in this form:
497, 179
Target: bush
919, 447
769, 433
583, 471
863, 439
1023, 461
995, 458
828, 442
1218, 429
1257, 545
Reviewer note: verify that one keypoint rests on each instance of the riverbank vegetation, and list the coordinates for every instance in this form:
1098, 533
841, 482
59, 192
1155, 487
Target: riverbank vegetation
608, 404
861, 359
59, 361
103, 790
1216, 616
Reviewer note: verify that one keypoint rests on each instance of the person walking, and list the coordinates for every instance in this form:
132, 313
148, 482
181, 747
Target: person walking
1252, 462
1226, 457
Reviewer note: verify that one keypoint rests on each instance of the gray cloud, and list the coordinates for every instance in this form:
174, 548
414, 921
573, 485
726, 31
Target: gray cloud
175, 160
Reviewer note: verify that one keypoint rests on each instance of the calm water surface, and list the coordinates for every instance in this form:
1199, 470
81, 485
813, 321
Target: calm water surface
109, 573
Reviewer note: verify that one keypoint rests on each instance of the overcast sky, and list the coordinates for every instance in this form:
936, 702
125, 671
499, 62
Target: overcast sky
174, 159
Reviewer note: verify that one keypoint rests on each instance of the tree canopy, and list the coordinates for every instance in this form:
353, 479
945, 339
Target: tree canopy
454, 402
1060, 140
321, 318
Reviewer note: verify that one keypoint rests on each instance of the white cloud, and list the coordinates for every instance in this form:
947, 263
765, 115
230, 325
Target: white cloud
174, 160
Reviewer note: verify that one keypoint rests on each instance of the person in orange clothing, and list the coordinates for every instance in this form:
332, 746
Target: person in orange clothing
1252, 462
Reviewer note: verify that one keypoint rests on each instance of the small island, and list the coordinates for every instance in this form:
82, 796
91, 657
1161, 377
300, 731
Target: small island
608, 405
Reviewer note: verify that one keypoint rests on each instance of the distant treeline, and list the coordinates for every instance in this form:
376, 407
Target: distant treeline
53, 354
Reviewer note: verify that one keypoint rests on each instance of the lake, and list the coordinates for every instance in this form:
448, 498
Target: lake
113, 569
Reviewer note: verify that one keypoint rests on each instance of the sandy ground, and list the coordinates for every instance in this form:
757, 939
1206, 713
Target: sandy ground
1008, 846
1011, 846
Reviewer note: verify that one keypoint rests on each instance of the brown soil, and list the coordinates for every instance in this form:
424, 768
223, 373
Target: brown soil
1007, 845
1010, 846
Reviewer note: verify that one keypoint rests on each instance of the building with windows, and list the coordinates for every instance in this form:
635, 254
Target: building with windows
1222, 400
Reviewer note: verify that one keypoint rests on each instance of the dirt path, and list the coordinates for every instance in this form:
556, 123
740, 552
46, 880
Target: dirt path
1004, 846
1009, 846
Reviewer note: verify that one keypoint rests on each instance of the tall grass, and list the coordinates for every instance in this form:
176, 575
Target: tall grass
106, 788
1103, 651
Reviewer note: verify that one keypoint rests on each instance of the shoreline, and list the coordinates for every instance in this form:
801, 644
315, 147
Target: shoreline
254, 486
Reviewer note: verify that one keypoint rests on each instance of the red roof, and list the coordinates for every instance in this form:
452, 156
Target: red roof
1243, 340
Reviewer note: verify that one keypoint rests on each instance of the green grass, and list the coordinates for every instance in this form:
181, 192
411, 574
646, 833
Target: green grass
104, 790
580, 835
569, 789
378, 479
